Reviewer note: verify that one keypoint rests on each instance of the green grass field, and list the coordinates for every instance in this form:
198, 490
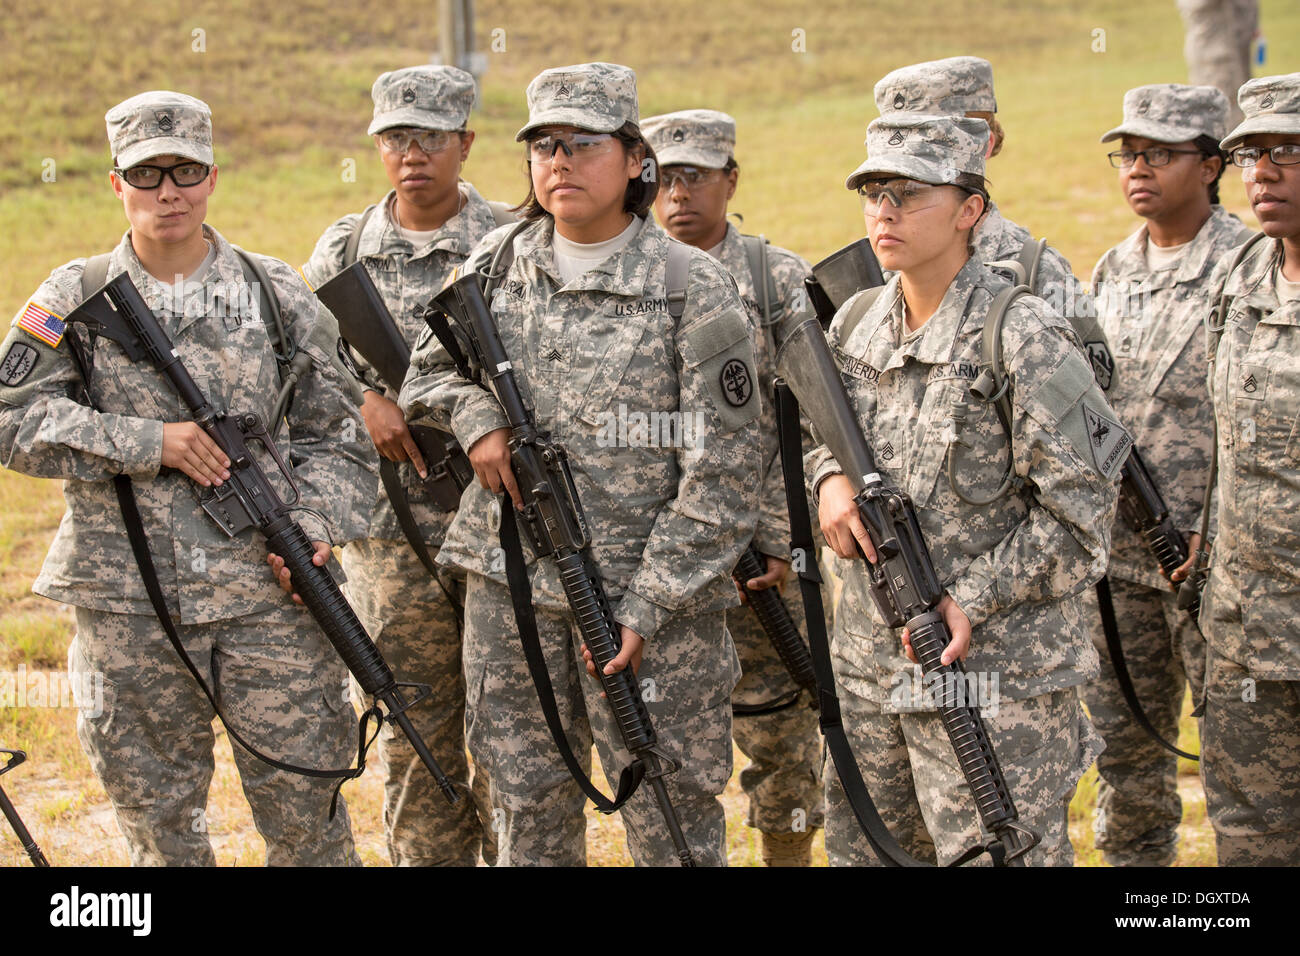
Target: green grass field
289, 90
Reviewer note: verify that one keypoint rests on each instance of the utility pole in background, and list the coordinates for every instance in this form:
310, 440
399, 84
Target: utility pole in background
456, 39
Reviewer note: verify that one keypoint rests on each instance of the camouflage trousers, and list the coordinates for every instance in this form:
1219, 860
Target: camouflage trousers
1044, 745
688, 670
1250, 764
783, 780
150, 737
1138, 808
415, 627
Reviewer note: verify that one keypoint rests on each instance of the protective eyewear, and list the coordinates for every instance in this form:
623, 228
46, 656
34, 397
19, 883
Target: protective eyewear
151, 177
905, 195
688, 176
399, 140
578, 147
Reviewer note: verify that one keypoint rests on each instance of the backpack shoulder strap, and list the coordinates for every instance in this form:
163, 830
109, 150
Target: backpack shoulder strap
859, 306
354, 239
502, 259
95, 274
676, 274
995, 389
761, 274
1031, 254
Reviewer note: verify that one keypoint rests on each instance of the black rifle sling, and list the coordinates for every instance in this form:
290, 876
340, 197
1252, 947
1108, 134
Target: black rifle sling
676, 270
392, 482
521, 596
1110, 627
149, 575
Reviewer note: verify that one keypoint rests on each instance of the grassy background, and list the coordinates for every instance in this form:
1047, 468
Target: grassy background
289, 90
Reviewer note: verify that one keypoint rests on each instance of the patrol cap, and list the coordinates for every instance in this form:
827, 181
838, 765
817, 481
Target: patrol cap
1172, 113
426, 97
599, 97
1271, 104
159, 123
951, 87
929, 149
691, 138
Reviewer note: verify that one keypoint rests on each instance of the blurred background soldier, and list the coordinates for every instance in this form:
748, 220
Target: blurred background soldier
771, 720
1250, 749
410, 242
1149, 290
281, 685
1217, 45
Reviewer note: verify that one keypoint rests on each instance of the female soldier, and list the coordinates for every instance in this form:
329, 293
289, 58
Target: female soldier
583, 311
1148, 291
1009, 565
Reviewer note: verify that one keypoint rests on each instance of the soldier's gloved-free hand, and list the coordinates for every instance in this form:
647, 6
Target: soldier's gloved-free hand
629, 653
490, 456
282, 573
187, 447
958, 626
774, 577
389, 432
840, 521
1186, 568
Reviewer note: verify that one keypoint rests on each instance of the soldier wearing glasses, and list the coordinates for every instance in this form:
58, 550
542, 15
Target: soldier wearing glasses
772, 724
410, 242
149, 734
1149, 290
1250, 745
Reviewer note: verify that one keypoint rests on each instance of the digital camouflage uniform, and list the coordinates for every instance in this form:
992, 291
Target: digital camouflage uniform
1216, 45
783, 780
1015, 566
404, 610
280, 683
1154, 323
1250, 745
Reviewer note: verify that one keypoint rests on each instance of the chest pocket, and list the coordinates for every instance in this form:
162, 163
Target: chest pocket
720, 352
964, 453
603, 379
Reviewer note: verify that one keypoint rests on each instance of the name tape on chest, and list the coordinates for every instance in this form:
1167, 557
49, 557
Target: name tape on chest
855, 367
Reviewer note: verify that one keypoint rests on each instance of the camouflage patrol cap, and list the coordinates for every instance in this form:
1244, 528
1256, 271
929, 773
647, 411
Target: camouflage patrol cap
1172, 113
950, 87
929, 149
159, 123
691, 138
426, 97
1271, 104
599, 97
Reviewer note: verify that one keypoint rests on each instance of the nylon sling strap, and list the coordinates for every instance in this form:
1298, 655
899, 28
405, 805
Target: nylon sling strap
521, 596
149, 575
388, 475
887, 848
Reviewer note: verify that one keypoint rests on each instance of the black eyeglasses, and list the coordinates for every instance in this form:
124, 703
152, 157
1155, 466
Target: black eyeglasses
1155, 156
151, 177
1283, 154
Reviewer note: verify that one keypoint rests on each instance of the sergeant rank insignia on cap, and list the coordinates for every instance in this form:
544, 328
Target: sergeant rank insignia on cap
42, 324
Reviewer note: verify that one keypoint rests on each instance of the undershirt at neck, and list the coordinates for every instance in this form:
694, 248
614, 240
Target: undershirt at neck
572, 259
1160, 258
1286, 290
195, 278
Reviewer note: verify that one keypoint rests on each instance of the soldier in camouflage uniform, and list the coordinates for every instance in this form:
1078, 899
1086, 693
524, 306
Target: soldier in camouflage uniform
1250, 748
584, 316
963, 86
1216, 45
281, 684
1149, 290
1012, 566
410, 242
771, 720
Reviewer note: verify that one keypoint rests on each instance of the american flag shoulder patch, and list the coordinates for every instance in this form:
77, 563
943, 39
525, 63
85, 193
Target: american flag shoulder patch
43, 324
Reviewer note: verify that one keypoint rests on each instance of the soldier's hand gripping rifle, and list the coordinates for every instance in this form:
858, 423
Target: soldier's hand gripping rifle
249, 500
368, 326
554, 522
903, 581
1146, 511
24, 835
774, 616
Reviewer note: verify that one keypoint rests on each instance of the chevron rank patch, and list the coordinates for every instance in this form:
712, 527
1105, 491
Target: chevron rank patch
17, 364
1108, 441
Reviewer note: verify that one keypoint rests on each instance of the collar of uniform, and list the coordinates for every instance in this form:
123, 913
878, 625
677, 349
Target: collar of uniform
1251, 284
989, 235
627, 272
733, 258
221, 289
1130, 259
935, 344
380, 237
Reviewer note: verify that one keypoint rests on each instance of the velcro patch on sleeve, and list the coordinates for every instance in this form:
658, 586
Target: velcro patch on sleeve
1108, 441
17, 364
